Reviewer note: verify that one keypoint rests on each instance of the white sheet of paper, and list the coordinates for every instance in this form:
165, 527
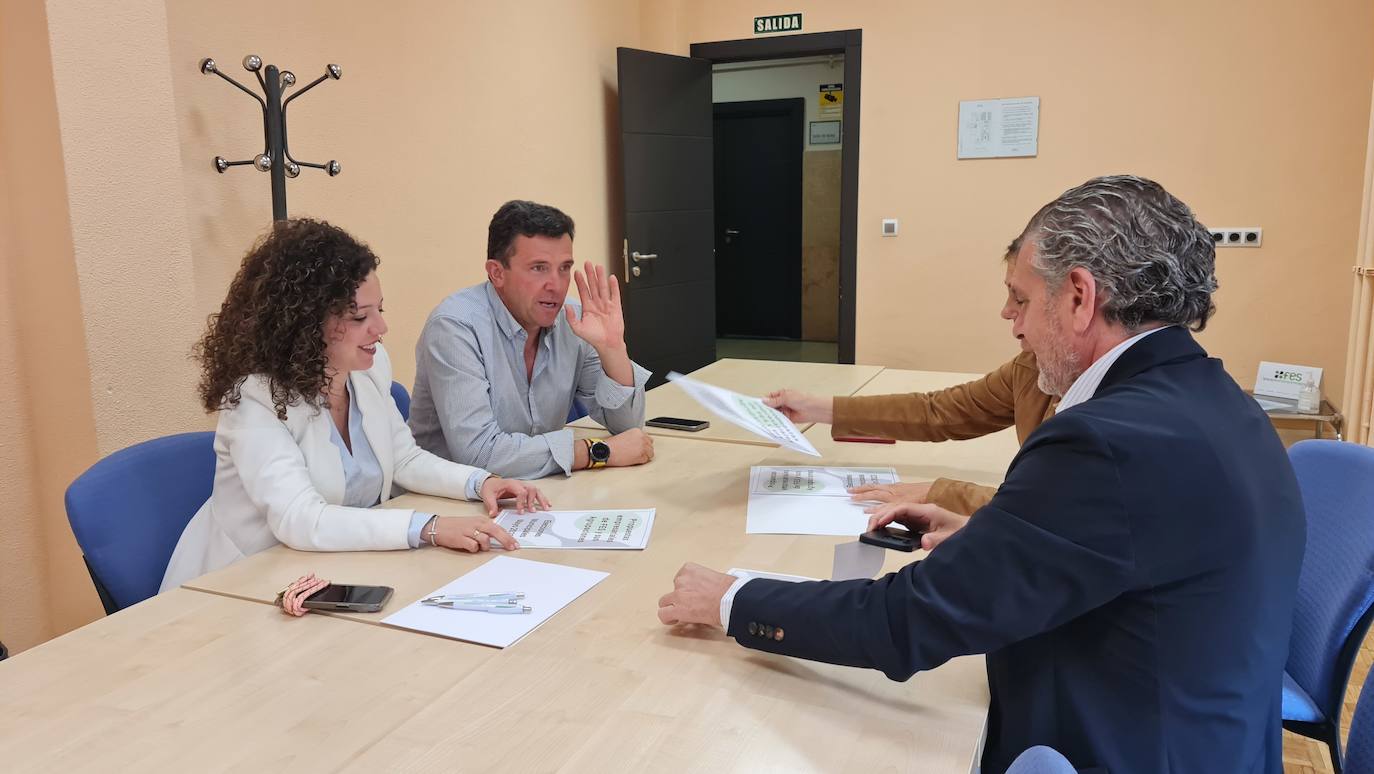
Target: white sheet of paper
815, 481
751, 574
613, 529
857, 560
804, 500
548, 588
746, 412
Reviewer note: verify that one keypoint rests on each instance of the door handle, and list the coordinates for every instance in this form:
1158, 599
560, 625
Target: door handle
732, 232
638, 256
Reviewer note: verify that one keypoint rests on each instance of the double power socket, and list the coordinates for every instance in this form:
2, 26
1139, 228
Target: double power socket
1237, 237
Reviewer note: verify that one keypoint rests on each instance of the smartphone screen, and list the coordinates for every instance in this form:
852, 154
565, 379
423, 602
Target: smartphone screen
354, 595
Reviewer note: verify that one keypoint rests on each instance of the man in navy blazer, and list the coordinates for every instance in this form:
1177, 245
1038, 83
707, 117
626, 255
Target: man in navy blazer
1132, 581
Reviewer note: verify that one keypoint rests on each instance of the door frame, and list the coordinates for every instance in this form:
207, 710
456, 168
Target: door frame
794, 110
850, 44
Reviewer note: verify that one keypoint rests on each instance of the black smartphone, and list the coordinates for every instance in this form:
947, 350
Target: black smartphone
354, 599
677, 423
896, 539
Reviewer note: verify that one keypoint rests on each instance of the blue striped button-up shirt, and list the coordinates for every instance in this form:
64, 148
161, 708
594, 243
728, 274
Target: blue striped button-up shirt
473, 404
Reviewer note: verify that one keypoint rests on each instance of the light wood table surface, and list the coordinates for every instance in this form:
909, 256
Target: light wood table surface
188, 681
222, 680
611, 689
750, 377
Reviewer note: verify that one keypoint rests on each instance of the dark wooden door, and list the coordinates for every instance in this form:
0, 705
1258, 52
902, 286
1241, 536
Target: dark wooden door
758, 234
667, 267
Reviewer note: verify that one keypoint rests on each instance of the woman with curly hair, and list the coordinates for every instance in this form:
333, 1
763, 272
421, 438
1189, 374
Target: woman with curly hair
308, 436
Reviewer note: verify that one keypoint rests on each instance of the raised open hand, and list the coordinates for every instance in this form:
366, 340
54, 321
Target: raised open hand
602, 324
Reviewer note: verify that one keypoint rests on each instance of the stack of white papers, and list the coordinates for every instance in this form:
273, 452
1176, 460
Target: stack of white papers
752, 414
802, 500
548, 588
624, 530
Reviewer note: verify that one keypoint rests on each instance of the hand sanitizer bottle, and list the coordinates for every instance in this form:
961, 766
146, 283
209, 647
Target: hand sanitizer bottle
1308, 397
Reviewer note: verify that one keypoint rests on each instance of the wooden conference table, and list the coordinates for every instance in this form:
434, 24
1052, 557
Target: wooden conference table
212, 677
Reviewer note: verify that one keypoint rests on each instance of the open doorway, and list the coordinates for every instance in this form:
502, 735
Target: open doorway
777, 148
668, 158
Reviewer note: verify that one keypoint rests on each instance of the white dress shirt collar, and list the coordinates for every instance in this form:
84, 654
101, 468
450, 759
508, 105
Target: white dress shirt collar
1085, 386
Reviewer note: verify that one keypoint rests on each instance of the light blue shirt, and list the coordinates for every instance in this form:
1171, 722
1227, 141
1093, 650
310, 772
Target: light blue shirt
473, 404
363, 472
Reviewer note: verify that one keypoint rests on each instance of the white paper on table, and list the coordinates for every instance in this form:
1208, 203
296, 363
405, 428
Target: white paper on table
548, 588
611, 529
802, 500
752, 574
814, 481
747, 412
857, 560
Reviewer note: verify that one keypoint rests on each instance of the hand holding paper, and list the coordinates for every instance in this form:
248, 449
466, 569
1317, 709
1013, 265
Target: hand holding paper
752, 414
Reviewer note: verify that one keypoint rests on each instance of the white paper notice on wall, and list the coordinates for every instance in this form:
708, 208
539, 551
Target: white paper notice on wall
999, 128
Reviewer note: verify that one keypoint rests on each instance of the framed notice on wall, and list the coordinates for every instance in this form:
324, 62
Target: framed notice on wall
999, 128
825, 133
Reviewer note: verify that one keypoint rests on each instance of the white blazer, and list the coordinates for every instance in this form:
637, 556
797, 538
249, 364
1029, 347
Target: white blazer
281, 481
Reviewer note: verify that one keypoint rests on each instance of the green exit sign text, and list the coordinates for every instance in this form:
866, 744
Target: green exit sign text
787, 22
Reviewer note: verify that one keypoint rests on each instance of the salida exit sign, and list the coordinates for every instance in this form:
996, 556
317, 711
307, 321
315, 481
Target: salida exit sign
787, 22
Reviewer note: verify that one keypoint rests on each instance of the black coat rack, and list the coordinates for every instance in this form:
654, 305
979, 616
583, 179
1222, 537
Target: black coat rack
276, 155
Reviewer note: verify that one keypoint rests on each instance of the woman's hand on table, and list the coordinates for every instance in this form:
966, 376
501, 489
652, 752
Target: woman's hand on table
527, 497
468, 533
300, 589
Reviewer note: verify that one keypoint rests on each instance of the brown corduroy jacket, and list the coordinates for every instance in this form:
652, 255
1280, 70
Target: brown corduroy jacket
1007, 396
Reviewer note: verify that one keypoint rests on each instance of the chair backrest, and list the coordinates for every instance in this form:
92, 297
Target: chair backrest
1041, 760
576, 412
1359, 748
129, 509
1336, 586
402, 398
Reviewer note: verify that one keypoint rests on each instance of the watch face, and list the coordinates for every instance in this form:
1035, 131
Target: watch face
601, 451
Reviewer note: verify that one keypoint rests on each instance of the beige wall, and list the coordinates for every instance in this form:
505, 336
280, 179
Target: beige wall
444, 111
47, 410
1254, 113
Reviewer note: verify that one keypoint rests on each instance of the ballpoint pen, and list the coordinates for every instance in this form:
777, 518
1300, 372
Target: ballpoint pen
507, 596
503, 603
479, 607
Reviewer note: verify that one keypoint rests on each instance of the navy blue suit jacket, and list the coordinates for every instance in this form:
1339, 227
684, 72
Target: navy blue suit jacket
1132, 581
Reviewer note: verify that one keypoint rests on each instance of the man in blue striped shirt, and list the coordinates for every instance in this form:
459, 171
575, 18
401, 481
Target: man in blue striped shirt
498, 365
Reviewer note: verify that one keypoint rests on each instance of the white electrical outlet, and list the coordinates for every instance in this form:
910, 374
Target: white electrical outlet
1249, 236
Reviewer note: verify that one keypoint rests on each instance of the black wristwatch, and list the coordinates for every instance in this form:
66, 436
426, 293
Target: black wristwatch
598, 453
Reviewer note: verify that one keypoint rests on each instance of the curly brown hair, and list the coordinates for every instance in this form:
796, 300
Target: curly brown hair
272, 321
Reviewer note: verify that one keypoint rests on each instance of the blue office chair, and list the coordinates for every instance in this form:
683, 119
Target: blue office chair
402, 398
1041, 760
576, 412
1335, 587
1359, 753
129, 509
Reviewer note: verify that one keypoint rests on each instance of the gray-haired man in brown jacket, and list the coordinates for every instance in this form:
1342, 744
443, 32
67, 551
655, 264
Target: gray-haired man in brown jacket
1008, 396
